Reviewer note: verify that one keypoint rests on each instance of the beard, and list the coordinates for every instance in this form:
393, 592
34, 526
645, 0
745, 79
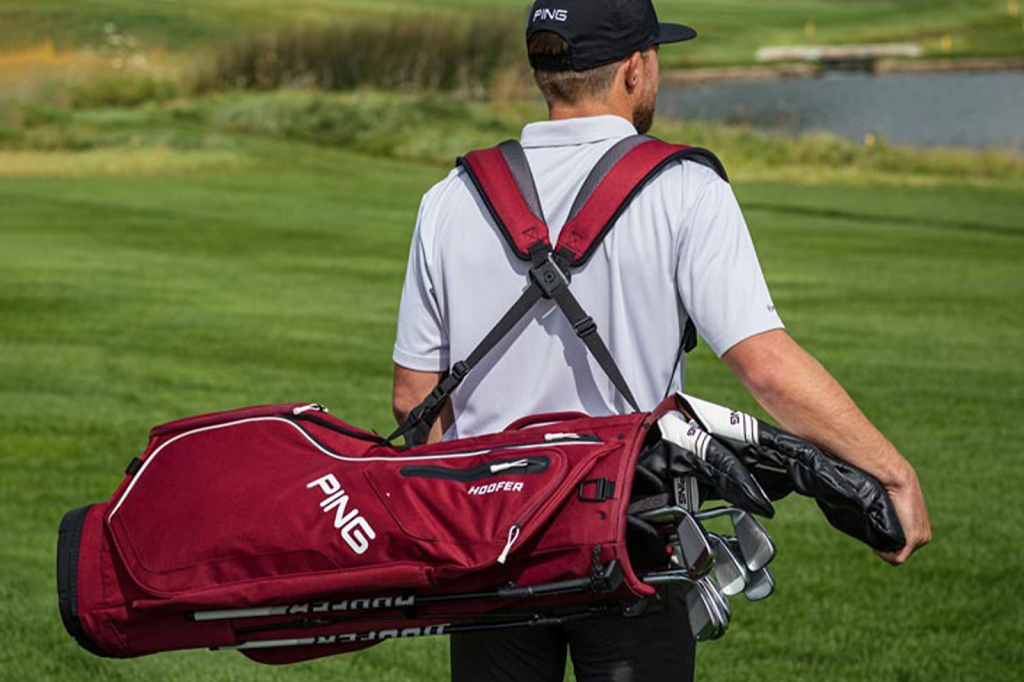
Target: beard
643, 113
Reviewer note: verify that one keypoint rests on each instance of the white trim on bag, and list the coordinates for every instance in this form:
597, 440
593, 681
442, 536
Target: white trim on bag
420, 458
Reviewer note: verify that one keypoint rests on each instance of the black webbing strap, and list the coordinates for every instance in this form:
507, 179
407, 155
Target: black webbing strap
425, 414
686, 345
548, 279
586, 329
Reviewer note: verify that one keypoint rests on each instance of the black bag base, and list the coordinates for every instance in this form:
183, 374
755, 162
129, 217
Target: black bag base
69, 540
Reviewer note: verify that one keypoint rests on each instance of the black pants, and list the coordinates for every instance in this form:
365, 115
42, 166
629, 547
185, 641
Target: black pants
655, 647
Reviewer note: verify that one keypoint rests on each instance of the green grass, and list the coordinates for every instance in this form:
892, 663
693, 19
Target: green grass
128, 298
731, 29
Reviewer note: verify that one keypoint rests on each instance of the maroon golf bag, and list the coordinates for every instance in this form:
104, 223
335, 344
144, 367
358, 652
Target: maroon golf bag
289, 534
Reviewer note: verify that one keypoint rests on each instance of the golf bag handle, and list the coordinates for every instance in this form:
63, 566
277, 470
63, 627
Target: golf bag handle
549, 418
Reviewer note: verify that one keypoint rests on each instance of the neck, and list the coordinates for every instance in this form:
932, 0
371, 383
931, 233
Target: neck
560, 112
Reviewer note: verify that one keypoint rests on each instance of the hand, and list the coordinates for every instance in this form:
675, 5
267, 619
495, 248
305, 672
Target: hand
908, 499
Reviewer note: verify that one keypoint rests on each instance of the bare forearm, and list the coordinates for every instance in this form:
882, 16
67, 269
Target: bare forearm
805, 399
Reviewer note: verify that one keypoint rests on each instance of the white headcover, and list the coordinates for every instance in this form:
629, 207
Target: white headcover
722, 421
688, 435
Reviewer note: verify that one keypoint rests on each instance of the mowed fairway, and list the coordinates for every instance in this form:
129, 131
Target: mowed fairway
129, 300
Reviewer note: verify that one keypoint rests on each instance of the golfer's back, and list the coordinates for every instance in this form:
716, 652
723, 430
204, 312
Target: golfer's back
680, 249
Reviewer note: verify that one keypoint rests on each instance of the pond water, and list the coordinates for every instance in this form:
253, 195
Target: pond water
948, 109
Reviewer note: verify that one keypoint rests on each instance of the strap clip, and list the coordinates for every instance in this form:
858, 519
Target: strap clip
549, 276
597, 490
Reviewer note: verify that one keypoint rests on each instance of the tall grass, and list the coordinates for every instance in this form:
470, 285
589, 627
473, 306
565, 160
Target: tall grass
404, 53
435, 128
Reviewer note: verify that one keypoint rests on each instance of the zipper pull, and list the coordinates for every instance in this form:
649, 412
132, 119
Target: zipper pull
513, 535
504, 466
561, 436
312, 407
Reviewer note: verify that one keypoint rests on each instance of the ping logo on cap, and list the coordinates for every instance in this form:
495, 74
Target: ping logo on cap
551, 15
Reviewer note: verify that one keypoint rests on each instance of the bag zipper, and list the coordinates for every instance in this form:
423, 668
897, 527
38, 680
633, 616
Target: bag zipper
505, 467
312, 407
516, 528
513, 535
549, 439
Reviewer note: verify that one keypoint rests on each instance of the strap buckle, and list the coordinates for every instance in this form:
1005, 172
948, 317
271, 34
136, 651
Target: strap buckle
585, 327
597, 490
549, 276
427, 411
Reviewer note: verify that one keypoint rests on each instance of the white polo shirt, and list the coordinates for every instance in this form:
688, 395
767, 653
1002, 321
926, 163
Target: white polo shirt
681, 248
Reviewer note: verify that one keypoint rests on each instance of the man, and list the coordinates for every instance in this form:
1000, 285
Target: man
680, 252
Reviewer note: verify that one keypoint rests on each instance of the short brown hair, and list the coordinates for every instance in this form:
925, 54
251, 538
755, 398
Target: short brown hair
568, 86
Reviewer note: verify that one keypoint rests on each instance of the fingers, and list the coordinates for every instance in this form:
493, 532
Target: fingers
913, 514
900, 558
915, 542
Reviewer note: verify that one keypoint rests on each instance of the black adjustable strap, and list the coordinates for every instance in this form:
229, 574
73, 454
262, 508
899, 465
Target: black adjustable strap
551, 274
686, 345
548, 279
425, 414
586, 329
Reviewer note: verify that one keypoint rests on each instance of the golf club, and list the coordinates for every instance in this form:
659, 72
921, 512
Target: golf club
756, 545
761, 585
705, 621
720, 610
662, 578
691, 549
730, 570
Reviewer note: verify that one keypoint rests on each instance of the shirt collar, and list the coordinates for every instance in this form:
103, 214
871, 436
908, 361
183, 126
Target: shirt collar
575, 131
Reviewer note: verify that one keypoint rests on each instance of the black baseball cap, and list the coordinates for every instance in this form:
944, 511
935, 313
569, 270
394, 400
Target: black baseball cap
600, 32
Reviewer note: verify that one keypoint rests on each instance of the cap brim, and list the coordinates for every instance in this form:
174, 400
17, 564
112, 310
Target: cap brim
674, 33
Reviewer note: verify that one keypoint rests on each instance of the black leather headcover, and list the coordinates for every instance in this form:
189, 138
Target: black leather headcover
852, 501
721, 471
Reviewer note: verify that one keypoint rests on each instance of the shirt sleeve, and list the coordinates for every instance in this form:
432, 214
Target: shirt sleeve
719, 277
421, 342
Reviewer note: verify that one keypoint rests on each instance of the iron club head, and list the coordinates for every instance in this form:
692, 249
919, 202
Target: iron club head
694, 548
756, 545
730, 571
705, 623
721, 612
761, 585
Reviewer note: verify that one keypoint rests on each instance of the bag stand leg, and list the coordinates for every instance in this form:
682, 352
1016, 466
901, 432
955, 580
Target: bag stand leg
607, 579
534, 620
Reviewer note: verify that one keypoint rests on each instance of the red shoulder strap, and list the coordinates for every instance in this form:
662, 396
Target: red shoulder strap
594, 215
503, 180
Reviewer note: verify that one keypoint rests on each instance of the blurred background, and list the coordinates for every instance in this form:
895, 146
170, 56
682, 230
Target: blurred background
206, 204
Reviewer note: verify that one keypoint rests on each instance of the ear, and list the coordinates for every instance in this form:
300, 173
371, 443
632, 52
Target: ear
634, 72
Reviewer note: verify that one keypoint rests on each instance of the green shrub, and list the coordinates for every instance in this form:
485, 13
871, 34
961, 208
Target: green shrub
407, 53
124, 91
426, 127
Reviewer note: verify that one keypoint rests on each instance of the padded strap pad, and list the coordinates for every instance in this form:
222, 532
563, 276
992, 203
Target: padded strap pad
507, 190
583, 233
